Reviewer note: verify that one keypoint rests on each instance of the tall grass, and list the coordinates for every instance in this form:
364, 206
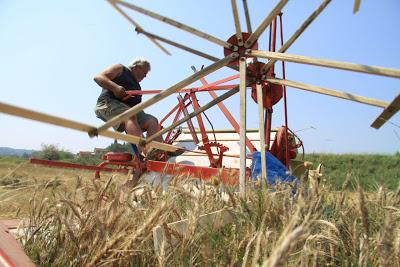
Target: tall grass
93, 226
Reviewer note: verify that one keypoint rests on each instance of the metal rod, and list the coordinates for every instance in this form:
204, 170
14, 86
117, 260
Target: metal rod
247, 15
137, 26
139, 107
330, 92
376, 70
242, 175
193, 114
178, 25
262, 133
297, 33
227, 114
237, 23
264, 24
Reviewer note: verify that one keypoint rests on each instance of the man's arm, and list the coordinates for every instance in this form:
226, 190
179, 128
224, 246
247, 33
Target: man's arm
104, 79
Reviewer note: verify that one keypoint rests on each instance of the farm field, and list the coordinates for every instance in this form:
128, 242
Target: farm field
74, 221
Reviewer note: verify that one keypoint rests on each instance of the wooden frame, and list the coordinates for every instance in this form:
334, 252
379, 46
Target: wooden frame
387, 113
242, 177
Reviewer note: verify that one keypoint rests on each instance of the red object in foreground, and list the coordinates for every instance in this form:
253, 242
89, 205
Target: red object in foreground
225, 175
11, 252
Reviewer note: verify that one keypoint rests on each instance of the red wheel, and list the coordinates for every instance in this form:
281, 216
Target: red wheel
233, 40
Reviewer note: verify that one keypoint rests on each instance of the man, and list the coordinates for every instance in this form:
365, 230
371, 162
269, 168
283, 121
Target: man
116, 81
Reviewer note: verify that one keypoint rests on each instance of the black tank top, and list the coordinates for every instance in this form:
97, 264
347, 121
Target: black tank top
129, 83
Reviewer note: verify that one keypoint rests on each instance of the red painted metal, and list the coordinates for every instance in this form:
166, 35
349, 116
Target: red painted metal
189, 122
74, 166
226, 176
233, 40
11, 252
117, 156
287, 155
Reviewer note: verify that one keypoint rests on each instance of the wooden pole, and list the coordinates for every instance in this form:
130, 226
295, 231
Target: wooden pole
326, 63
136, 109
264, 24
387, 113
193, 114
242, 175
356, 6
237, 23
50, 119
247, 15
137, 26
178, 25
330, 92
260, 99
297, 33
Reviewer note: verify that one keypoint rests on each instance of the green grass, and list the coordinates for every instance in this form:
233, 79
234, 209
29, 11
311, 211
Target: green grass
370, 170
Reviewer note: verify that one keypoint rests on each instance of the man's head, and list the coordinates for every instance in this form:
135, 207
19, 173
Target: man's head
139, 68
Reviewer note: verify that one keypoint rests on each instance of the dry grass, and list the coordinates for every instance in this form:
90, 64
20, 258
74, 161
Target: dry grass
86, 224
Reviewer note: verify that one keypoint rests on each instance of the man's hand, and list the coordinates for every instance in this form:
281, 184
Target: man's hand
120, 93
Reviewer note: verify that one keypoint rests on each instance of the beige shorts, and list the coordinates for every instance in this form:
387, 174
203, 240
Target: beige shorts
109, 108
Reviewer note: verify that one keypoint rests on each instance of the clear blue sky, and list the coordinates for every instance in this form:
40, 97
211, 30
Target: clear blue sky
50, 51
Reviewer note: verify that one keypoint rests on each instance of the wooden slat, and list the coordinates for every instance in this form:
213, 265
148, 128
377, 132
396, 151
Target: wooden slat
329, 92
237, 23
264, 24
50, 119
262, 132
297, 33
177, 24
137, 26
139, 107
247, 15
356, 6
376, 70
387, 113
242, 175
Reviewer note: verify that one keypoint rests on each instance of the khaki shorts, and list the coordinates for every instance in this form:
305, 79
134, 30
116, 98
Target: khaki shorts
109, 108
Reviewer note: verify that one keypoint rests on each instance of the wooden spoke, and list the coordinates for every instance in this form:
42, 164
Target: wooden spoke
297, 33
178, 25
356, 6
242, 175
50, 119
260, 99
387, 113
237, 23
137, 26
136, 109
326, 63
264, 24
247, 15
330, 92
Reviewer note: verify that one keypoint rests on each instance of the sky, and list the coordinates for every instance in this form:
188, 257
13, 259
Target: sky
51, 50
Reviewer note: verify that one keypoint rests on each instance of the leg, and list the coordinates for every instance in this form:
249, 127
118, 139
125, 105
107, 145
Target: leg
150, 124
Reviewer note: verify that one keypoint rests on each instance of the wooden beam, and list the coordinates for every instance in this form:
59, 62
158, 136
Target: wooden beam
137, 26
193, 114
136, 109
297, 33
330, 92
264, 24
387, 113
242, 175
356, 6
42, 117
178, 25
395, 73
237, 23
247, 15
260, 99
212, 220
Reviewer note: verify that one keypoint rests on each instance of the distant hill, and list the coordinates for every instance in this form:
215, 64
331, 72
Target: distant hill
8, 151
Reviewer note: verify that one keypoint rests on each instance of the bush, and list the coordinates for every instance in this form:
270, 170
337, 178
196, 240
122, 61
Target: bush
52, 152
